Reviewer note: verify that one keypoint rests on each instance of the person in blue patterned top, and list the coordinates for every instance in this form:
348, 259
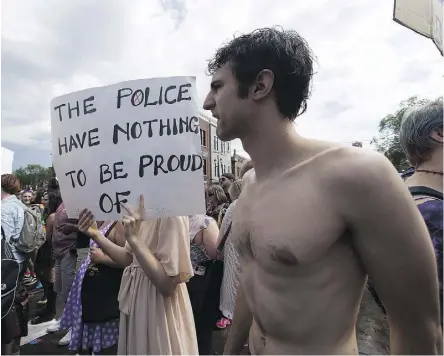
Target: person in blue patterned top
421, 137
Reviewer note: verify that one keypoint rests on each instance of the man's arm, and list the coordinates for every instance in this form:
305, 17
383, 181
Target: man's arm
394, 246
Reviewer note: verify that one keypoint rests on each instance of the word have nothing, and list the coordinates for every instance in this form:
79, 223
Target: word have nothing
130, 131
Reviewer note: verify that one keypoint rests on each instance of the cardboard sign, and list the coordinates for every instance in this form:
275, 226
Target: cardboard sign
113, 143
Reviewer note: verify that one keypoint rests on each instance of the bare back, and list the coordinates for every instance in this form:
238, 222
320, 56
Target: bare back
300, 274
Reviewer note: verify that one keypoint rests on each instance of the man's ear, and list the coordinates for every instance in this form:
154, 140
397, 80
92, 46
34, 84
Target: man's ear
263, 85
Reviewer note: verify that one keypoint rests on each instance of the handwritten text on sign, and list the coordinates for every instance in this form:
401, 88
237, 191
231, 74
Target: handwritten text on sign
113, 143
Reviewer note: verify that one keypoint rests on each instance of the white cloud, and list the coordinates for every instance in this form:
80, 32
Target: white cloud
367, 63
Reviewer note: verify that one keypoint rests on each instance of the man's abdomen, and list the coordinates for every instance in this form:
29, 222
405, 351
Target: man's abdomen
304, 313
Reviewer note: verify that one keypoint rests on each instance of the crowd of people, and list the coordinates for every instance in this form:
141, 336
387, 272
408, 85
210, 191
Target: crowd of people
281, 256
75, 264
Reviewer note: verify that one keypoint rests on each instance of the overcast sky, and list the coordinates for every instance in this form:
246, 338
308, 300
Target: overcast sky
366, 65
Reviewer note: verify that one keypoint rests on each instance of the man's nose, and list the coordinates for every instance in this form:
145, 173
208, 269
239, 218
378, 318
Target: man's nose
209, 102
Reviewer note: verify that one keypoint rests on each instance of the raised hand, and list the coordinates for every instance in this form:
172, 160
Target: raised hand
87, 224
133, 220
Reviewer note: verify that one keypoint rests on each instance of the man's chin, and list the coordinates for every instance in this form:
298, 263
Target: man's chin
224, 135
225, 138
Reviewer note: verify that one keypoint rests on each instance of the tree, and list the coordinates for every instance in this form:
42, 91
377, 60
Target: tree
34, 176
388, 140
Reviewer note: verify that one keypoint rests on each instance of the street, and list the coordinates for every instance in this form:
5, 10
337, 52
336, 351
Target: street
371, 330
38, 342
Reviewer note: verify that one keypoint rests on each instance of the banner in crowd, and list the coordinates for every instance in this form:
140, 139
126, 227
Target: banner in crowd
7, 160
424, 17
113, 143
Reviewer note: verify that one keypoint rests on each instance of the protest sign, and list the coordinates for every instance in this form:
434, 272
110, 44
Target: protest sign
113, 143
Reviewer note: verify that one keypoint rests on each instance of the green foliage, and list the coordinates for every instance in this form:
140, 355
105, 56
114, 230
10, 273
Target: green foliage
34, 176
388, 140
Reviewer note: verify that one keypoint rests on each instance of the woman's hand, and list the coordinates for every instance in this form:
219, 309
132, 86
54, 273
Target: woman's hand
67, 228
97, 255
133, 221
88, 225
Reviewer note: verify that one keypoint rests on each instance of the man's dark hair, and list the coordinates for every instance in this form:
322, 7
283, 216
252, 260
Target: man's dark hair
230, 176
283, 52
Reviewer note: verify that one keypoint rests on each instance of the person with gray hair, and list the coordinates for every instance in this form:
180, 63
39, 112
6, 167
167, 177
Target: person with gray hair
421, 135
421, 138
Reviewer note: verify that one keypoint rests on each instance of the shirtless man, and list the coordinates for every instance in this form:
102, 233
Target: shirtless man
314, 217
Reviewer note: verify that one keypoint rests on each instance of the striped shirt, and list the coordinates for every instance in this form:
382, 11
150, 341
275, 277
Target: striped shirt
230, 281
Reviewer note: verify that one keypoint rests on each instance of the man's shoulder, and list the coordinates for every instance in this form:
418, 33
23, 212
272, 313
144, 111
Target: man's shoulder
352, 165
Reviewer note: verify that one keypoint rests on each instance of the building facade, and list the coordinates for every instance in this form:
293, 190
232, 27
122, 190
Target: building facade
237, 162
205, 144
219, 153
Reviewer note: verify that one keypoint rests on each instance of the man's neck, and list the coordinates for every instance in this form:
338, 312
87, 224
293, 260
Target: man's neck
272, 146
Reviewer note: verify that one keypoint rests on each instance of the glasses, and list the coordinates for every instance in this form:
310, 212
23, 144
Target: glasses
222, 179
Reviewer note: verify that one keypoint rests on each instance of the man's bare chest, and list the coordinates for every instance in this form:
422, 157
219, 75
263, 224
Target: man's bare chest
286, 225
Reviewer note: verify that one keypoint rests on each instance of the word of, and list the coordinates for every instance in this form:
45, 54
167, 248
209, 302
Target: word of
107, 205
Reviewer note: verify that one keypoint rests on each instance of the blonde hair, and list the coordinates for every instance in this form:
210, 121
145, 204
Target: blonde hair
235, 189
219, 193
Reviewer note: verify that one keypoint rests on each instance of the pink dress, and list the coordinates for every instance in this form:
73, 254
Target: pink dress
151, 324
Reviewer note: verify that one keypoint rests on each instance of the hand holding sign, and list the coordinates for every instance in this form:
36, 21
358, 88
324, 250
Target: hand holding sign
133, 221
88, 224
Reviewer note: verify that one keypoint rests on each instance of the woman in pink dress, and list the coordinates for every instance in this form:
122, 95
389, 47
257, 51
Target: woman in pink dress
155, 310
